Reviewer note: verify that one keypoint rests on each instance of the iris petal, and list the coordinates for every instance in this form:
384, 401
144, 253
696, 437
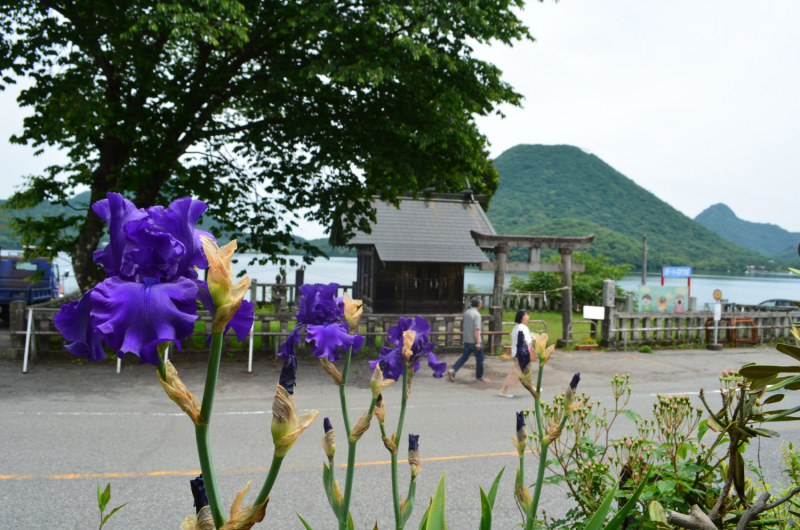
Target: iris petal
328, 338
74, 321
116, 211
318, 304
438, 367
136, 317
287, 348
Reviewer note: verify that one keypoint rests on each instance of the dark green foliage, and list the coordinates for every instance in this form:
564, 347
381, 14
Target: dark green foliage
260, 109
542, 183
764, 238
587, 286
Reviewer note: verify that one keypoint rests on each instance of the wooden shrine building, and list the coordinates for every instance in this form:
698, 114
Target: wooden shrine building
413, 261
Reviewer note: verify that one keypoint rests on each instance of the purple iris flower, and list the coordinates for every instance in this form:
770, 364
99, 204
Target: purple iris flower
326, 424
151, 289
320, 312
575, 380
241, 322
391, 358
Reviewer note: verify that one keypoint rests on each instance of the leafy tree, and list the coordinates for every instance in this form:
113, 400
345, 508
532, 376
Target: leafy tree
587, 286
260, 108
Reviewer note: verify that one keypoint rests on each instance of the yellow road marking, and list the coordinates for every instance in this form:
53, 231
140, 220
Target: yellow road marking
225, 471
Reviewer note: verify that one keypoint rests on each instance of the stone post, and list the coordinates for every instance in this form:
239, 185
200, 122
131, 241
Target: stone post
496, 310
692, 304
629, 303
299, 278
254, 292
610, 316
18, 312
566, 294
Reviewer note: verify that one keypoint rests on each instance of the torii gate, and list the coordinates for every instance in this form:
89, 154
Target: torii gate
500, 245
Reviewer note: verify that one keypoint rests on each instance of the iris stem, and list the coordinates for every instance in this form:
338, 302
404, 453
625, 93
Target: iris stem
201, 432
351, 447
395, 485
537, 491
274, 469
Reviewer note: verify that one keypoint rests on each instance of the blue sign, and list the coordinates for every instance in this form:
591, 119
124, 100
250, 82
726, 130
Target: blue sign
676, 272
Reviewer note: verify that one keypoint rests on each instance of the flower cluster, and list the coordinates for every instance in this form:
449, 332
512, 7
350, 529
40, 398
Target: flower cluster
150, 293
320, 313
409, 344
632, 454
675, 418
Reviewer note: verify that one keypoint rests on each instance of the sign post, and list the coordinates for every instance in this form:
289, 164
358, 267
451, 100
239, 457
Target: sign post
678, 272
717, 318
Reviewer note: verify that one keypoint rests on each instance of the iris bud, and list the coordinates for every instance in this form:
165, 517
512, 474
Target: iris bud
287, 426
360, 427
380, 410
569, 395
332, 371
329, 440
408, 341
199, 493
178, 393
521, 440
542, 351
413, 456
352, 312
226, 296
288, 377
378, 383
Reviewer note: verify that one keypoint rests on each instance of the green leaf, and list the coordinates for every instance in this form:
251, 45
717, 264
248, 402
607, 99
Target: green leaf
768, 433
423, 524
104, 497
616, 522
436, 517
758, 371
791, 351
772, 417
486, 512
665, 485
631, 415
714, 425
100, 498
774, 399
305, 524
599, 517
112, 513
783, 382
495, 485
656, 512
350, 525
738, 474
408, 505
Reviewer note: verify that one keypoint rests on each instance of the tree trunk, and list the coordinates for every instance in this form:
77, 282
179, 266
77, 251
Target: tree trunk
87, 272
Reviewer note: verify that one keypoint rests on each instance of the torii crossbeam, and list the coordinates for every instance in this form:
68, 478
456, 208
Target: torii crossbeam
500, 245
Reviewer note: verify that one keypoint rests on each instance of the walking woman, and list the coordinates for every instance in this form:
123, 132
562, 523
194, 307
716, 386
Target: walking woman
521, 320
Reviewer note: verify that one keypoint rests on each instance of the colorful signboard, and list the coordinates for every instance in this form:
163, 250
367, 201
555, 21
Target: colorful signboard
717, 295
663, 299
676, 272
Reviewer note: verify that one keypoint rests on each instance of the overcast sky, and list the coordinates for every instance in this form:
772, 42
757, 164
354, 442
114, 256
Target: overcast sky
697, 101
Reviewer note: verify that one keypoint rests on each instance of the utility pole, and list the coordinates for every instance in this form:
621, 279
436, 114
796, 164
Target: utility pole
644, 260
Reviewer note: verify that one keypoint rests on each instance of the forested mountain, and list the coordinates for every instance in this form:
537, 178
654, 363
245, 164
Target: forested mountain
562, 190
764, 238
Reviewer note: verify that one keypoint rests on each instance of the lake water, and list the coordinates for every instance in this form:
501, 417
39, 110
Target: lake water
736, 287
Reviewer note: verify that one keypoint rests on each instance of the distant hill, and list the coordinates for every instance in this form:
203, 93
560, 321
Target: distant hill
555, 188
9, 241
766, 239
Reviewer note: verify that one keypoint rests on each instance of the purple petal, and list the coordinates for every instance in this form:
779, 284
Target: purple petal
178, 221
136, 317
438, 367
393, 363
242, 321
328, 338
318, 304
287, 348
116, 211
75, 323
358, 342
395, 333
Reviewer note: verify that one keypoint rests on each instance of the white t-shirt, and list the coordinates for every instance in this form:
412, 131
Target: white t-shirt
515, 333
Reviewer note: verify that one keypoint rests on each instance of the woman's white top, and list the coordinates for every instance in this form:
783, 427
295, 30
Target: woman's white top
515, 333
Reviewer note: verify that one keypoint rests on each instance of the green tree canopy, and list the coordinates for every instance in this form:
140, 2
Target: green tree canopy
587, 286
259, 108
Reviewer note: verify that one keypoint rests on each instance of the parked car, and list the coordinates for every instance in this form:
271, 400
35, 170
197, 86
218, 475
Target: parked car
16, 282
777, 302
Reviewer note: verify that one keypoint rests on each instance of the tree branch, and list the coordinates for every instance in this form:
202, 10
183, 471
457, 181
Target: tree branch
753, 510
696, 520
781, 500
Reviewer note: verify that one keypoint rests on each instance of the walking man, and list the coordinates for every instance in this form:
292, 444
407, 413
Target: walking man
471, 337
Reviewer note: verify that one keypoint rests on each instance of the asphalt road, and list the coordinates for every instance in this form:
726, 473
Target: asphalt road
66, 426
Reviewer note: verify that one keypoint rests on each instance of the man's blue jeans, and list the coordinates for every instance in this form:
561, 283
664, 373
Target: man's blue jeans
469, 348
